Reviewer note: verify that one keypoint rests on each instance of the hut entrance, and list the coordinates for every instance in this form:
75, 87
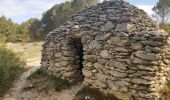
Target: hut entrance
79, 48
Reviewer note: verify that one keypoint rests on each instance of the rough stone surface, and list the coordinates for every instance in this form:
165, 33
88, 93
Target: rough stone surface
124, 52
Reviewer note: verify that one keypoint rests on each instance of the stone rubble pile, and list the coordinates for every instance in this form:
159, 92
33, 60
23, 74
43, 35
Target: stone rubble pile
124, 51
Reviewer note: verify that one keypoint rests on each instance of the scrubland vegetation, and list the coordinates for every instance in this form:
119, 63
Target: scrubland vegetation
11, 67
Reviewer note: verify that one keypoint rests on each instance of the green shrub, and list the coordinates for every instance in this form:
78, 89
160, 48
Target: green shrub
88, 93
11, 66
165, 92
165, 27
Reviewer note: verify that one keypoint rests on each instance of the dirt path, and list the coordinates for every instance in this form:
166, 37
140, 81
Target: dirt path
17, 92
32, 52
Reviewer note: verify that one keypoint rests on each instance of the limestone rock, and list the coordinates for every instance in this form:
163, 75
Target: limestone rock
108, 27
140, 81
104, 54
116, 64
146, 56
124, 27
118, 41
94, 45
137, 46
118, 74
100, 84
139, 61
87, 73
101, 77
122, 96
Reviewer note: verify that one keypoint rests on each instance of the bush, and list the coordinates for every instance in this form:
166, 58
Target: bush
165, 27
11, 66
165, 92
88, 93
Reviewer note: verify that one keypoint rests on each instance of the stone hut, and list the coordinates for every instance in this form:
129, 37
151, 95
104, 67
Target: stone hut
115, 47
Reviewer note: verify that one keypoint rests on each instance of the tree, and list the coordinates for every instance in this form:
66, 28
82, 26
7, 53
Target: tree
162, 10
60, 13
32, 27
11, 31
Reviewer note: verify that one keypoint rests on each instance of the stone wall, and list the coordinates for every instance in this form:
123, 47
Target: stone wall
124, 51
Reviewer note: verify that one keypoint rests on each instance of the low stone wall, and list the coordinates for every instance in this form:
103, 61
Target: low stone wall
62, 58
124, 51
127, 66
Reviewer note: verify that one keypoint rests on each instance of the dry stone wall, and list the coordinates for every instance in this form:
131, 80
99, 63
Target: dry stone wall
124, 52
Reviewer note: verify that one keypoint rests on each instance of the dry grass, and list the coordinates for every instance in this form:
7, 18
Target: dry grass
27, 50
11, 67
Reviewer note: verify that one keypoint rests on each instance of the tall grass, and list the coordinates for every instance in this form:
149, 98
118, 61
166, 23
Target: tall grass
11, 66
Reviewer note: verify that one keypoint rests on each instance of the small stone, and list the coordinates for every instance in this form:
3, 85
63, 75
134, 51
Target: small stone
146, 56
121, 34
101, 77
76, 27
149, 68
51, 44
118, 41
140, 81
103, 36
119, 49
136, 46
148, 78
124, 27
118, 74
104, 53
140, 61
69, 74
114, 86
88, 80
94, 45
98, 66
122, 96
116, 64
81, 34
87, 73
166, 61
151, 43
100, 84
107, 27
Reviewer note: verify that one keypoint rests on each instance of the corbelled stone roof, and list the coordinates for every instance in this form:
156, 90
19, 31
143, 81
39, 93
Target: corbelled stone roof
123, 51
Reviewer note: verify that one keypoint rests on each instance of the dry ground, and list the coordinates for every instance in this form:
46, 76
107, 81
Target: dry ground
31, 52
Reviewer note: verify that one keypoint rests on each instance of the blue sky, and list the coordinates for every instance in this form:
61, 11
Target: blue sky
22, 10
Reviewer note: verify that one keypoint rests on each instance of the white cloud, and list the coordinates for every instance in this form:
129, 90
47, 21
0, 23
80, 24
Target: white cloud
17, 8
146, 8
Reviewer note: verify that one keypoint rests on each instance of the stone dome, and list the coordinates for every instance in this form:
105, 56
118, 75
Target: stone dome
114, 47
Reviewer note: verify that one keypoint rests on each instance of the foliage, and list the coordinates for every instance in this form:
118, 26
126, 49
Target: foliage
88, 93
32, 28
60, 13
11, 31
165, 27
165, 92
11, 66
162, 9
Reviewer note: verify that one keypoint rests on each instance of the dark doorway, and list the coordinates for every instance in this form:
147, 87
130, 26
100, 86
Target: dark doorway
79, 48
